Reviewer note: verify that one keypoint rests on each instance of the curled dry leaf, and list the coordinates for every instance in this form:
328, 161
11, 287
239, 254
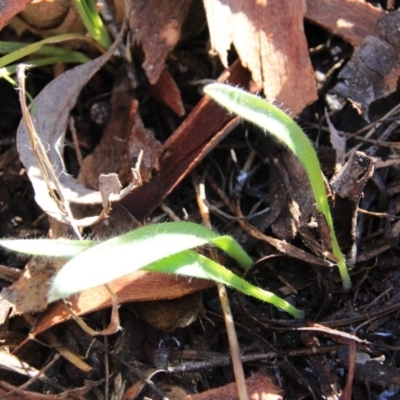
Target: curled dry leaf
124, 138
52, 107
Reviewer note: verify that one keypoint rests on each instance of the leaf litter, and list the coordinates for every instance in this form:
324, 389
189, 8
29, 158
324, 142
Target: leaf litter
370, 235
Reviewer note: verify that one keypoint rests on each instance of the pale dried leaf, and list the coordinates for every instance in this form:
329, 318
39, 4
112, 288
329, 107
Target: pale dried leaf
13, 363
108, 184
270, 41
52, 107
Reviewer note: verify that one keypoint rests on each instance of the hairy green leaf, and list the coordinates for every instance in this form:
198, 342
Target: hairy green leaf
134, 250
192, 264
48, 247
285, 130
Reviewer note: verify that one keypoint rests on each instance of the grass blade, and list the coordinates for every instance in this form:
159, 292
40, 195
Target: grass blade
283, 128
93, 23
192, 264
32, 48
48, 247
134, 250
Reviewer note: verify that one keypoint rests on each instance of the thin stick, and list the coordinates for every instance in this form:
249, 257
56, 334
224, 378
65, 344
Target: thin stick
78, 152
34, 378
226, 308
112, 327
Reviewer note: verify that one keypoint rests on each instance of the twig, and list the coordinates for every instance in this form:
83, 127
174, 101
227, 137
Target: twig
33, 379
226, 309
112, 327
78, 152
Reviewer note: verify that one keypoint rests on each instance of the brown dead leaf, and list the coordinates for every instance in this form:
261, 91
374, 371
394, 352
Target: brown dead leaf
168, 315
348, 188
124, 137
270, 41
10, 8
166, 91
157, 27
260, 386
138, 286
293, 184
371, 74
28, 293
200, 132
374, 69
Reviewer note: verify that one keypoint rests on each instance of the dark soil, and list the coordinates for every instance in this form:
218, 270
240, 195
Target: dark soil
309, 359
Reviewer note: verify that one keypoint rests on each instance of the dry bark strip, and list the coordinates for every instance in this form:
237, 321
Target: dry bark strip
188, 145
269, 38
352, 20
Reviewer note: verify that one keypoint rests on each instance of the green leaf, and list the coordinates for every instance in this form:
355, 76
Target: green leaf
93, 23
286, 131
192, 264
43, 50
34, 47
134, 250
48, 247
